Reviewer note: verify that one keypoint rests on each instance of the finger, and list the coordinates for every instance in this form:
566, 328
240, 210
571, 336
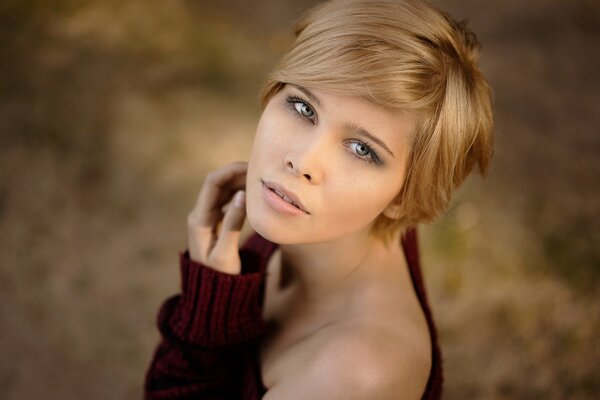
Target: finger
203, 221
230, 202
201, 239
218, 188
226, 206
236, 212
225, 251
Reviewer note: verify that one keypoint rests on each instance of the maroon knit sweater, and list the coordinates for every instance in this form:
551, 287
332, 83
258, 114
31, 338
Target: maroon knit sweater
212, 330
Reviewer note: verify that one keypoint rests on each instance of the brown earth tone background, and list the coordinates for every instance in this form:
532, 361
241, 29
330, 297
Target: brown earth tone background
112, 112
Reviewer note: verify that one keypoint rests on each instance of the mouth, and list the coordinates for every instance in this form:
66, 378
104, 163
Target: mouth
281, 198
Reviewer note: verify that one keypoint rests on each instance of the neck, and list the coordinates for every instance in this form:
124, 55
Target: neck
321, 270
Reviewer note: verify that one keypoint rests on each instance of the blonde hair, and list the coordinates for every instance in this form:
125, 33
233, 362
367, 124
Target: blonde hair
405, 55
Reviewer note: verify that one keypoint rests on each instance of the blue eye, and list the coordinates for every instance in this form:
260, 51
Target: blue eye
361, 149
304, 109
301, 107
364, 152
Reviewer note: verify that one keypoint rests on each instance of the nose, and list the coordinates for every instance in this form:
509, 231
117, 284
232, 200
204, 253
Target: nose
306, 162
290, 165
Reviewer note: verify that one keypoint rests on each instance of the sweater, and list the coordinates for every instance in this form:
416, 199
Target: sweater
210, 333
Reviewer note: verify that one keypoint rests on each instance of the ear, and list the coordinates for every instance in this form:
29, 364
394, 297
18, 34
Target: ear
393, 211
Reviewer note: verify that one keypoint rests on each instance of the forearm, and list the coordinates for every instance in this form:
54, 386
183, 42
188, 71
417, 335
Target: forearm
205, 333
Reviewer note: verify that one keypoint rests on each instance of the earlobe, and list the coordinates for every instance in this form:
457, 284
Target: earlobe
393, 211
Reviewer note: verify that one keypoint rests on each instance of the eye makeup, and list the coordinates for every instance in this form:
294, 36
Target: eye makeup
371, 156
295, 100
305, 107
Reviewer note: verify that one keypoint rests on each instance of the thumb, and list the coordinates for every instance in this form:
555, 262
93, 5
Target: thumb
235, 215
225, 253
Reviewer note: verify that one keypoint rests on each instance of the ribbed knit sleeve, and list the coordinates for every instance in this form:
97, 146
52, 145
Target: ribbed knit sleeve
215, 308
209, 331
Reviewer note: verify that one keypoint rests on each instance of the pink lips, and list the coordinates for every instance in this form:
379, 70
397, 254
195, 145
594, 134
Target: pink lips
274, 194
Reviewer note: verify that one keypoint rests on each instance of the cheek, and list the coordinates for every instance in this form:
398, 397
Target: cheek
359, 199
271, 136
267, 149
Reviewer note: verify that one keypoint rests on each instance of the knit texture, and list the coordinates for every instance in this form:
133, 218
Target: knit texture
212, 330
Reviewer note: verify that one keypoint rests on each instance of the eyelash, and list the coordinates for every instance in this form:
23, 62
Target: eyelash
292, 100
372, 158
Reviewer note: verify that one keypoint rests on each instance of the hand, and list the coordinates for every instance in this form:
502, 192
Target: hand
215, 223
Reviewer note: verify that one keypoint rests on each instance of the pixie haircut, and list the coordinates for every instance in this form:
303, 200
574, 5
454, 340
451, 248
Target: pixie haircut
408, 56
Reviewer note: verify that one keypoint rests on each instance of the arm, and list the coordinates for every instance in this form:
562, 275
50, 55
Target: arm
207, 331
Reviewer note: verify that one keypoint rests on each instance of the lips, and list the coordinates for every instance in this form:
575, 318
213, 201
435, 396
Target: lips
286, 195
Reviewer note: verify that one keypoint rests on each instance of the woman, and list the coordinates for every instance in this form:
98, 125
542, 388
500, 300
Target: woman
369, 123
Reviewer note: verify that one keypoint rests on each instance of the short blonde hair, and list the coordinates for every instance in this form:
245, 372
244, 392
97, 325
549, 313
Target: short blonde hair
410, 56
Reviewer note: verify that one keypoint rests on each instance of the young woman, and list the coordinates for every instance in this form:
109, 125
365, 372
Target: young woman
370, 122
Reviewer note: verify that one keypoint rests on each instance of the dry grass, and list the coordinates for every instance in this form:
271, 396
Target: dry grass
112, 112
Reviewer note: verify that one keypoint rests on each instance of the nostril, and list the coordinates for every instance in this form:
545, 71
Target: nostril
291, 166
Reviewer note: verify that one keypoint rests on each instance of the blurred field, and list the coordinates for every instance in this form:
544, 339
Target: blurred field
112, 112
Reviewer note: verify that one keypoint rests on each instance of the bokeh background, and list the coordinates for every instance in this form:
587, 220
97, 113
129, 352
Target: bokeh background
111, 113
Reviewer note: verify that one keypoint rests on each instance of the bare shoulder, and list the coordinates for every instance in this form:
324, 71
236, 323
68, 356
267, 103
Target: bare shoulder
359, 361
382, 363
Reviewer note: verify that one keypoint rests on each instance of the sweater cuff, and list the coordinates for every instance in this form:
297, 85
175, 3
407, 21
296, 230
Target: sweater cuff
216, 308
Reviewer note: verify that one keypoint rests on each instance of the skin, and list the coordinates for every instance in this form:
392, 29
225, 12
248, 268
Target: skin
332, 288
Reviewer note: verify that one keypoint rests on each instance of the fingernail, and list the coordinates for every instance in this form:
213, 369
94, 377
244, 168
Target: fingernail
238, 201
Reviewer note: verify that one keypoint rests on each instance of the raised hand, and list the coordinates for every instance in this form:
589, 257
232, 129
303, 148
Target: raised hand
215, 223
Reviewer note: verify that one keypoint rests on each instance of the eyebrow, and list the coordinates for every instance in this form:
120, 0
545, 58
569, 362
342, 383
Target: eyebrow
309, 94
353, 127
363, 132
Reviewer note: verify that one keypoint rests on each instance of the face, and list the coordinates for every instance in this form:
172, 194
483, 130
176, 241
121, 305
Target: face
324, 166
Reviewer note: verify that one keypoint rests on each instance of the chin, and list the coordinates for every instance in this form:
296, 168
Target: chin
268, 230
257, 220
282, 231
263, 223
284, 235
259, 226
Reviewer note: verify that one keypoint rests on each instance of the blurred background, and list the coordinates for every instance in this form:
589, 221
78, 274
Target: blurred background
112, 112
